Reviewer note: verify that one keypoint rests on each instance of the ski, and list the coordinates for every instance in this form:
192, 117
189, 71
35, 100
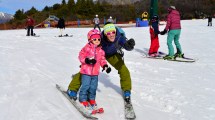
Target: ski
33, 36
79, 107
98, 110
154, 57
176, 59
64, 35
160, 55
184, 59
129, 110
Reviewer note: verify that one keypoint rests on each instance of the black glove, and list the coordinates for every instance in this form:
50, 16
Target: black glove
108, 69
163, 32
130, 44
90, 61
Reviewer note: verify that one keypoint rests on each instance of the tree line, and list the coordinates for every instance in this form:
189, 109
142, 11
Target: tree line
87, 9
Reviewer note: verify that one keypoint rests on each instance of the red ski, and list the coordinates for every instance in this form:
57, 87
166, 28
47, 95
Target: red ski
98, 110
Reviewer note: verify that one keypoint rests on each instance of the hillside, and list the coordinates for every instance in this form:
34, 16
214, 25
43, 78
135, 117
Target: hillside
4, 17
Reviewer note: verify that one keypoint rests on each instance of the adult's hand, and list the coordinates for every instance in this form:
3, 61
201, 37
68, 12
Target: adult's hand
163, 32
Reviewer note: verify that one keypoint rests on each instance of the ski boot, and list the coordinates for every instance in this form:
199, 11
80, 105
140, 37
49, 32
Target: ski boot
72, 94
179, 55
93, 104
127, 96
152, 55
168, 57
86, 105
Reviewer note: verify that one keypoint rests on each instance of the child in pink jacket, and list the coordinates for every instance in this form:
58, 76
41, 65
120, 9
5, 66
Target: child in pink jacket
91, 57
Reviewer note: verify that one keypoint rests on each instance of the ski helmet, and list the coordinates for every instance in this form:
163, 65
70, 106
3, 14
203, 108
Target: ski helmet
155, 17
93, 33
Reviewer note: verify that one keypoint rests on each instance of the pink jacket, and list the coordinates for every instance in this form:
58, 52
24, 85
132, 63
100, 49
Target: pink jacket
173, 20
91, 51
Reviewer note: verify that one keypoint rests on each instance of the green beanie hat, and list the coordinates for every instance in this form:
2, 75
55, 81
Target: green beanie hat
109, 27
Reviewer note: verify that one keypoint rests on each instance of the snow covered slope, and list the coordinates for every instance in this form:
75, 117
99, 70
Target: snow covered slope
162, 90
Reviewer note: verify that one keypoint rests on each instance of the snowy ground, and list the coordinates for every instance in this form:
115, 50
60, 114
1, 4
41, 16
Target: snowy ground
162, 90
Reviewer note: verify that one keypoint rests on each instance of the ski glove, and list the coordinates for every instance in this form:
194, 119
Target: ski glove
108, 69
163, 32
90, 61
130, 44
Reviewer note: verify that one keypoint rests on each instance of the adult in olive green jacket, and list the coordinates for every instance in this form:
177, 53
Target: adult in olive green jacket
113, 40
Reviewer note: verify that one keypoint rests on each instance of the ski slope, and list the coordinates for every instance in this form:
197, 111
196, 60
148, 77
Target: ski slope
162, 90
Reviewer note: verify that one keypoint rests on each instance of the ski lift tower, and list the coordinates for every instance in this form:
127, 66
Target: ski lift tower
153, 8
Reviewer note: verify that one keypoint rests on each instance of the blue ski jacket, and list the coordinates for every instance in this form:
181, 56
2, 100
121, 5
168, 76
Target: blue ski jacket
111, 48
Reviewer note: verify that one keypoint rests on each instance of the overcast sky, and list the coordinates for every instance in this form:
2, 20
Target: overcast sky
11, 6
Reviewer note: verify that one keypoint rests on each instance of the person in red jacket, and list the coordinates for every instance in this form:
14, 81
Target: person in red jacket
154, 31
173, 27
30, 26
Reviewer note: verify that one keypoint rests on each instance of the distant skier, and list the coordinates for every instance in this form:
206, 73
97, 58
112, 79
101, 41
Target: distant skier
91, 57
30, 26
61, 25
96, 22
110, 19
154, 31
210, 20
173, 27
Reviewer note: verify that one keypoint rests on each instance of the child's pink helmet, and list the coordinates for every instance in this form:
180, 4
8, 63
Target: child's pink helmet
94, 33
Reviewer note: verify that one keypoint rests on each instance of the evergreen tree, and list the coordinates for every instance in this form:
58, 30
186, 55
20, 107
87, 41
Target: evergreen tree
90, 8
71, 6
46, 8
31, 11
63, 2
19, 15
63, 11
81, 8
56, 6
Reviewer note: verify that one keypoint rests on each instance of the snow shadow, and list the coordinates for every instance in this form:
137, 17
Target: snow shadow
144, 51
105, 79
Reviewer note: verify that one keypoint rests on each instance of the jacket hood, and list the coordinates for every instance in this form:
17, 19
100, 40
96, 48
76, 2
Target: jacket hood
175, 12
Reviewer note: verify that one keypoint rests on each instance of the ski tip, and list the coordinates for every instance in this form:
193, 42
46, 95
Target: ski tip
57, 86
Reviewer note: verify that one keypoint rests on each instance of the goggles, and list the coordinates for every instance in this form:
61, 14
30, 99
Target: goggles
112, 32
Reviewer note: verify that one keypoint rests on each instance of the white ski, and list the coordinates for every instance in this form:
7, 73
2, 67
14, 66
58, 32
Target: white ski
80, 108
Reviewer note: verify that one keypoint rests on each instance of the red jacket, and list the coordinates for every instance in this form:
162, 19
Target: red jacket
173, 20
29, 22
91, 51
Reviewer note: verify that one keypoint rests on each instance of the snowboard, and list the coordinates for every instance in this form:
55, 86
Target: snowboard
77, 105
